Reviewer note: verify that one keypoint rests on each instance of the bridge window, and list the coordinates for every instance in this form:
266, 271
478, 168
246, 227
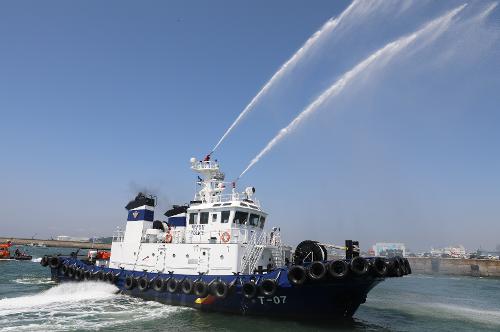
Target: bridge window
214, 217
224, 217
204, 218
240, 217
262, 221
254, 219
192, 218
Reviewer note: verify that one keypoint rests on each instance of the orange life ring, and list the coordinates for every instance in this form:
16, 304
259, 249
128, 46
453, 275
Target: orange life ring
225, 237
103, 255
168, 238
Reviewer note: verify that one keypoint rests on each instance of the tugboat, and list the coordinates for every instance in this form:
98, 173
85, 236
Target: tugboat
215, 255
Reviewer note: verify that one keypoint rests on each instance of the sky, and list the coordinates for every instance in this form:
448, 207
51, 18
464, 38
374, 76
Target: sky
99, 100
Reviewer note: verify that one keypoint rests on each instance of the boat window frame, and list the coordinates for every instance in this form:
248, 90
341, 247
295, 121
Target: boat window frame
228, 220
257, 223
201, 220
195, 219
241, 212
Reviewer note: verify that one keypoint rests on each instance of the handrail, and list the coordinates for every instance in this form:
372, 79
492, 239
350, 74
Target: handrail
197, 236
118, 236
221, 198
201, 164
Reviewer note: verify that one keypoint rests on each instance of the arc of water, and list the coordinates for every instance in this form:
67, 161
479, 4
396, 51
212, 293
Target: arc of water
328, 27
381, 57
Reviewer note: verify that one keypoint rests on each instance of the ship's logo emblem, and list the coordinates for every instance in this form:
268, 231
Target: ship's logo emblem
135, 214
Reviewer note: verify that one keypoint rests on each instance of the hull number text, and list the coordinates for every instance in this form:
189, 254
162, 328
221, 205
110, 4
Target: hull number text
274, 299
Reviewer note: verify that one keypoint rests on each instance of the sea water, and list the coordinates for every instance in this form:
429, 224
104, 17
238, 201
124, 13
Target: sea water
30, 301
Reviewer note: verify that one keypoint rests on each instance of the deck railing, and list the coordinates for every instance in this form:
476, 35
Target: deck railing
224, 198
118, 236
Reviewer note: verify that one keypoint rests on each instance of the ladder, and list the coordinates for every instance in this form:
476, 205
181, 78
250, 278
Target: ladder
253, 253
277, 251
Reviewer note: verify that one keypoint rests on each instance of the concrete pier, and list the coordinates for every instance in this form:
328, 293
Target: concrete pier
55, 243
455, 266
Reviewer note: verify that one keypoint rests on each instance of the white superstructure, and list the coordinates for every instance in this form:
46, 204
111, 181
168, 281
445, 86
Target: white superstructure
217, 234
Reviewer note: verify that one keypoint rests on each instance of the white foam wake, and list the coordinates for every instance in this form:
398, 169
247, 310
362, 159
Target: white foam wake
79, 306
377, 59
68, 292
327, 28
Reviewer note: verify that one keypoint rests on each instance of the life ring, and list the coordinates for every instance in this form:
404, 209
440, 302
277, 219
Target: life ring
225, 237
168, 238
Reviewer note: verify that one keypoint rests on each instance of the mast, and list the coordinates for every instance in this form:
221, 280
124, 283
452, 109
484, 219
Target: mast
211, 180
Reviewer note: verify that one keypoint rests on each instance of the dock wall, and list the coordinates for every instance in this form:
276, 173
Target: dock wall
455, 266
55, 243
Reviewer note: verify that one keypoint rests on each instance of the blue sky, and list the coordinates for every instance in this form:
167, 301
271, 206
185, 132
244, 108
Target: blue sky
101, 99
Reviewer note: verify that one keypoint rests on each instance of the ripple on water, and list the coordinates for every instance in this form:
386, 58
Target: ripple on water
440, 311
33, 281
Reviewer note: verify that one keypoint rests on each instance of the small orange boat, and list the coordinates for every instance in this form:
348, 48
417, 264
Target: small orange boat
5, 253
4, 250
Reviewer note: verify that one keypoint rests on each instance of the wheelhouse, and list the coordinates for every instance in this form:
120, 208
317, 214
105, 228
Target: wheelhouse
226, 215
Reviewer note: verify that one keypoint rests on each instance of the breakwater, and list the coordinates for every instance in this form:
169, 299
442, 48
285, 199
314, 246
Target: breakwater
56, 243
455, 266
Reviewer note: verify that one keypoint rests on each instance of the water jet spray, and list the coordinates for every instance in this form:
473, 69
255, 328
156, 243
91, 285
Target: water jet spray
379, 57
327, 28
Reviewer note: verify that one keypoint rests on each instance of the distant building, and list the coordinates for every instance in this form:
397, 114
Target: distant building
453, 252
72, 238
481, 253
389, 249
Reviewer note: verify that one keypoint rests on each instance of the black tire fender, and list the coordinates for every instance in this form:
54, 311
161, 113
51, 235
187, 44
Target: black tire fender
268, 287
338, 269
249, 289
71, 272
316, 271
130, 282
407, 265
79, 274
201, 288
297, 275
44, 261
143, 284
379, 267
187, 286
172, 285
219, 289
359, 266
159, 284
54, 262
